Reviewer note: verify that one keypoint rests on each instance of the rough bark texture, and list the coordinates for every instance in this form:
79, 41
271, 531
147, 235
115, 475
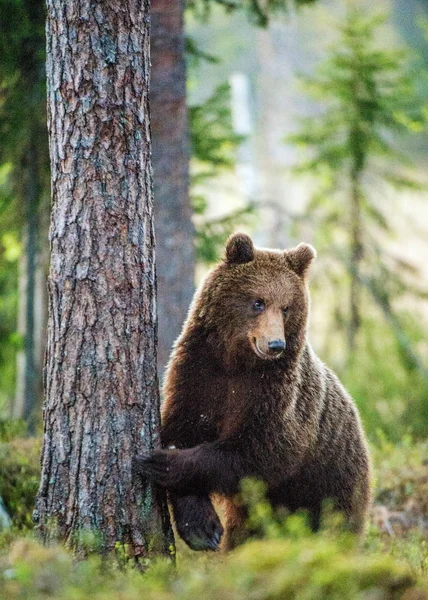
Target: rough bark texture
174, 229
102, 399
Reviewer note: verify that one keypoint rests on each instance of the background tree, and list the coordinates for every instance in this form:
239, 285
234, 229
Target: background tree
259, 11
175, 255
367, 100
175, 232
102, 400
25, 185
367, 106
214, 146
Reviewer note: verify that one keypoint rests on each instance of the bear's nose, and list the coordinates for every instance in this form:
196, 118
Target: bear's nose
276, 346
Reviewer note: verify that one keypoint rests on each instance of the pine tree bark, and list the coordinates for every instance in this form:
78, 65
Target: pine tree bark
175, 256
101, 387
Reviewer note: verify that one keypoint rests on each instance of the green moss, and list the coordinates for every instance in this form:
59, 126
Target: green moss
305, 568
288, 562
20, 474
401, 473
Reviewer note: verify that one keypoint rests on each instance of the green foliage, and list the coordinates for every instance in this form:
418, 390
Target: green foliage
22, 76
22, 125
368, 103
305, 568
9, 340
287, 561
259, 11
11, 429
20, 474
271, 524
367, 98
211, 234
391, 396
401, 472
9, 254
214, 145
212, 139
194, 54
411, 550
401, 485
367, 95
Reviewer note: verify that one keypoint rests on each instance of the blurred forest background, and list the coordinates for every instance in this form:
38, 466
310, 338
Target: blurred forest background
278, 112
308, 124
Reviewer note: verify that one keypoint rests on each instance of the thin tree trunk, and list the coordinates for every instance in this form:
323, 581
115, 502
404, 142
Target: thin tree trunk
26, 391
174, 229
31, 185
41, 297
32, 195
17, 406
101, 399
355, 236
406, 347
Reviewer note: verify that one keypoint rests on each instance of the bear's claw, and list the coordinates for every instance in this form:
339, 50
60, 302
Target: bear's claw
153, 465
206, 537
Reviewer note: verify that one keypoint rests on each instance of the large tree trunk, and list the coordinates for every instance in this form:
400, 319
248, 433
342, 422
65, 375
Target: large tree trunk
174, 229
102, 400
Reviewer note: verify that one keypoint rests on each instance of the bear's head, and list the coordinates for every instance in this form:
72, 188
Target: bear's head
254, 305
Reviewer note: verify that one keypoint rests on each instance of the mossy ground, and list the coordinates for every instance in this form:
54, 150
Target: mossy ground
287, 562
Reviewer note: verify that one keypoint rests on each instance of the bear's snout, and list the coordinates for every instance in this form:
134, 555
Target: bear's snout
268, 336
276, 346
269, 349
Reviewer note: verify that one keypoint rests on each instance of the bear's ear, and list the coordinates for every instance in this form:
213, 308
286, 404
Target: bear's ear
239, 249
300, 258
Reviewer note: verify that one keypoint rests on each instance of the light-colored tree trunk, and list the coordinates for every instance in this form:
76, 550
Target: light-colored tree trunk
25, 404
32, 298
17, 406
282, 51
41, 296
356, 256
101, 399
355, 231
30, 159
175, 257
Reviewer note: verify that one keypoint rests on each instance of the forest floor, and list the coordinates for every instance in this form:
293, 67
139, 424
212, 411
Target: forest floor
288, 562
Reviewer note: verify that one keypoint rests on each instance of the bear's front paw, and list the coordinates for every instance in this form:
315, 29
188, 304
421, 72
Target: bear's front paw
202, 535
197, 523
156, 466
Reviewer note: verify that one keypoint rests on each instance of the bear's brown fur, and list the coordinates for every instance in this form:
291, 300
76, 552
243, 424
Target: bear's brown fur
245, 395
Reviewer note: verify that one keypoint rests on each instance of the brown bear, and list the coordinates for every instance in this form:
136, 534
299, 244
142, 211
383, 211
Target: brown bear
246, 396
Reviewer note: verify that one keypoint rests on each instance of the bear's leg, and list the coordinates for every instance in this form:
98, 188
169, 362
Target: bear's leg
215, 467
356, 506
196, 521
235, 520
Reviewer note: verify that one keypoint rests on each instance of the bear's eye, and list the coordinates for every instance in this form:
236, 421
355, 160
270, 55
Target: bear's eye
258, 306
285, 311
